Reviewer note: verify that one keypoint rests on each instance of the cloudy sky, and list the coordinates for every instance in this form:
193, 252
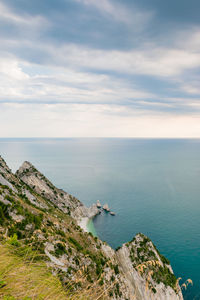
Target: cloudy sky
113, 68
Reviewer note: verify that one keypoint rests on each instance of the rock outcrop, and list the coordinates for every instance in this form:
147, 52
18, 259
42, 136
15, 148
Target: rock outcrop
148, 273
64, 201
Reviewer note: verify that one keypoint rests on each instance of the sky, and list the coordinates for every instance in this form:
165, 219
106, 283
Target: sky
91, 68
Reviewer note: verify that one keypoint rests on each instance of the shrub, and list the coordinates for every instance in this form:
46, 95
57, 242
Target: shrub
101, 282
14, 240
9, 198
60, 249
164, 259
98, 268
75, 243
89, 278
116, 269
3, 213
112, 278
76, 259
60, 232
153, 290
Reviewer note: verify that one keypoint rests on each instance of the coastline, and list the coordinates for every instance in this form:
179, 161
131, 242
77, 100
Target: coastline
87, 225
83, 223
91, 228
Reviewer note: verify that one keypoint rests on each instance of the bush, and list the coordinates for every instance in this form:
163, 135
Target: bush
75, 243
163, 274
98, 268
116, 269
164, 259
3, 213
60, 249
153, 290
60, 232
19, 209
89, 278
101, 282
9, 198
14, 240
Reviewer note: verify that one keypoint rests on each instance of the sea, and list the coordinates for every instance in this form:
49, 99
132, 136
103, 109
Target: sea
153, 186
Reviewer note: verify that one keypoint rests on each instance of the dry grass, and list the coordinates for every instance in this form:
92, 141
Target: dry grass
22, 279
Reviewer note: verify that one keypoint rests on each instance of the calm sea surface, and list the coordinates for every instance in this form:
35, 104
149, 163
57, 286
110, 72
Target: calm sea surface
153, 186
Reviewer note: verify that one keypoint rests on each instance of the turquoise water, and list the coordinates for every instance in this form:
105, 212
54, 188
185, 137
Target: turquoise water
152, 185
91, 228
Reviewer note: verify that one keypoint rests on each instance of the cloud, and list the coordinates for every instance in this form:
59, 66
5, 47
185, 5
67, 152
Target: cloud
84, 120
152, 60
10, 69
60, 85
191, 87
120, 12
148, 58
26, 20
51, 86
15, 26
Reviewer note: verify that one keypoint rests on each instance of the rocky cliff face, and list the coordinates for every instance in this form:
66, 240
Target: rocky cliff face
64, 201
47, 218
149, 274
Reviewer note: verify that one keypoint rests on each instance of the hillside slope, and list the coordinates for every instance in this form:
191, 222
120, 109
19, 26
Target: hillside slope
45, 221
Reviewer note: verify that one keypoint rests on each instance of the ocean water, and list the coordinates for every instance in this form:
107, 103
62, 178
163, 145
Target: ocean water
153, 186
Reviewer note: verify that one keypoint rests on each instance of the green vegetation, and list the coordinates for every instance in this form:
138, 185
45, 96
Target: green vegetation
74, 242
144, 258
60, 249
13, 240
116, 269
4, 215
164, 275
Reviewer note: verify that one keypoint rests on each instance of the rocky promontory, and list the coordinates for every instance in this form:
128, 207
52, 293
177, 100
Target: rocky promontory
47, 219
61, 199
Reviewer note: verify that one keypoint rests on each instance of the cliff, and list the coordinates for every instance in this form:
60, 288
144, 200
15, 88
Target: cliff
39, 216
64, 201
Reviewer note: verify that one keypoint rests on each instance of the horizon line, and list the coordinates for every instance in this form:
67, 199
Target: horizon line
99, 137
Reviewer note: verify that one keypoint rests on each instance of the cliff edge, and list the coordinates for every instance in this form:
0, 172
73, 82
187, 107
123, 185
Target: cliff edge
44, 218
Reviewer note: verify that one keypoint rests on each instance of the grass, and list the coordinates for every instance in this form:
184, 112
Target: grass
25, 279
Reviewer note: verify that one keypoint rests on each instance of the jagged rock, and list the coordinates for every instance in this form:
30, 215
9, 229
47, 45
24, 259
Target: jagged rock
64, 201
98, 204
140, 267
108, 251
3, 166
105, 207
6, 176
3, 181
29, 227
50, 247
33, 199
4, 201
15, 217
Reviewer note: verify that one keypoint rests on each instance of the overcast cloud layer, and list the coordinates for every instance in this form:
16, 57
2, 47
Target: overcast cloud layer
99, 68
